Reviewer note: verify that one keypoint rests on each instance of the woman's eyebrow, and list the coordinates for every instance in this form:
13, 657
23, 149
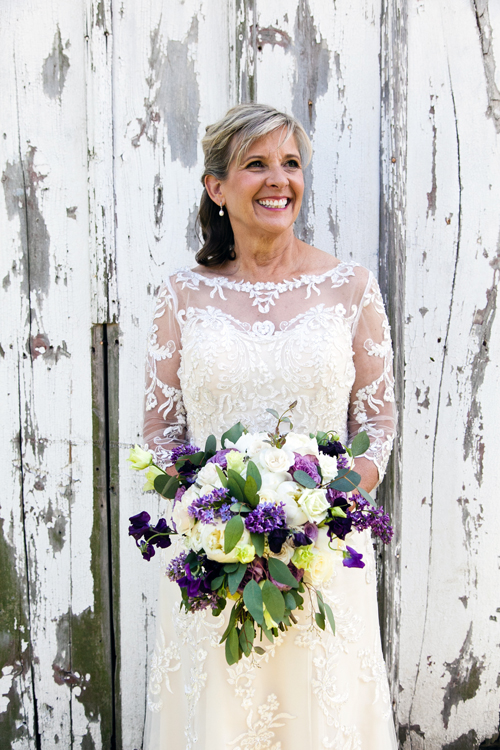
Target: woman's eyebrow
261, 156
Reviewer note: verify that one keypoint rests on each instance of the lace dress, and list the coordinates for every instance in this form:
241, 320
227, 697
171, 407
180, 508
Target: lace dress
220, 352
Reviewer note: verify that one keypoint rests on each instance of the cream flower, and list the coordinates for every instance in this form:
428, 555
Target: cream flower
273, 479
252, 444
286, 553
302, 444
208, 475
320, 568
212, 539
314, 504
180, 516
328, 466
151, 475
267, 495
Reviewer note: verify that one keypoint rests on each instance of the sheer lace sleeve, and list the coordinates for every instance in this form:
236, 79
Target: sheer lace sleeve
164, 418
372, 405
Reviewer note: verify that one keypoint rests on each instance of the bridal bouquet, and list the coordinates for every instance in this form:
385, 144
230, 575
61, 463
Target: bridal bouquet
263, 521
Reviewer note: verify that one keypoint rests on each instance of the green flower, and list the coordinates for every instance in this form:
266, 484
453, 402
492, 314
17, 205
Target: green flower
303, 557
139, 458
151, 475
245, 553
235, 461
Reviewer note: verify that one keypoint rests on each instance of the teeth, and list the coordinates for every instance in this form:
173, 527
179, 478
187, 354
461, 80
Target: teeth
270, 203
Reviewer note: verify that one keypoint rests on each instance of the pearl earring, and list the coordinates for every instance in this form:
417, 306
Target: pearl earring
221, 212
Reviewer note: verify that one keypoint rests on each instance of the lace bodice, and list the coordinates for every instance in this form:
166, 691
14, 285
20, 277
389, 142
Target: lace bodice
222, 351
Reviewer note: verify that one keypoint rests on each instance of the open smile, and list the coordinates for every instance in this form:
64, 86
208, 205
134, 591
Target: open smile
274, 203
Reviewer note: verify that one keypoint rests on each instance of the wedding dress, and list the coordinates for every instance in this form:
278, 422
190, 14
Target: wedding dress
222, 351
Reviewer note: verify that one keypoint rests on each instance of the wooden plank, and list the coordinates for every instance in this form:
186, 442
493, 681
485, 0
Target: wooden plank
450, 578
320, 61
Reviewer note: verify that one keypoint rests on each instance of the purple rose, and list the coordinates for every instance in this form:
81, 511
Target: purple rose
311, 530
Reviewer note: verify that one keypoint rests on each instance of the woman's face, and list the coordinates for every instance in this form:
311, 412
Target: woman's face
263, 194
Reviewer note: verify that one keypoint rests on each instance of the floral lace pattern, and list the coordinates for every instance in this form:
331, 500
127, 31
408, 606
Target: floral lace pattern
222, 351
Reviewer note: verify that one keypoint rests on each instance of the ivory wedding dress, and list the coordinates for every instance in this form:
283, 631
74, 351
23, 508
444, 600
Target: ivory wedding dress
220, 352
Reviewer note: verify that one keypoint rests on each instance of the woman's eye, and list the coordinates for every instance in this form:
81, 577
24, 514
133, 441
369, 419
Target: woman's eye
256, 163
293, 163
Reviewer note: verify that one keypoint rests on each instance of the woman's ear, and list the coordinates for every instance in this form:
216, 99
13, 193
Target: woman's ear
214, 189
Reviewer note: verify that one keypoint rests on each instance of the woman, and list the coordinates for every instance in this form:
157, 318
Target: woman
262, 321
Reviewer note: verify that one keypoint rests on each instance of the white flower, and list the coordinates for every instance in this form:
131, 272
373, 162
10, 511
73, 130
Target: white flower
266, 495
276, 459
273, 479
195, 537
139, 458
208, 475
302, 444
180, 516
249, 443
288, 493
320, 568
314, 504
328, 466
212, 540
286, 553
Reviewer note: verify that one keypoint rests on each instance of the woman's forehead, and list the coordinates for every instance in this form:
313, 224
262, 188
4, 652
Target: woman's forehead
276, 141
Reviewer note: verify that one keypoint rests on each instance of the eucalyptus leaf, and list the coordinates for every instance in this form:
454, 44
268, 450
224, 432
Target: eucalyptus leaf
366, 495
233, 434
290, 602
222, 476
260, 650
252, 596
196, 458
320, 620
252, 471
273, 599
321, 603
230, 567
216, 583
267, 633
235, 507
281, 573
247, 635
342, 485
360, 444
169, 485
233, 533
299, 600
330, 616
301, 477
258, 542
274, 413
230, 624
234, 579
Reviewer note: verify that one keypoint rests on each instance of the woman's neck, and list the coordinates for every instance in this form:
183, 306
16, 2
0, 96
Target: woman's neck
266, 260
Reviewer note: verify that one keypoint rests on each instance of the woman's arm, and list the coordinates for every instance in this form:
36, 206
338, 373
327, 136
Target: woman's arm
372, 407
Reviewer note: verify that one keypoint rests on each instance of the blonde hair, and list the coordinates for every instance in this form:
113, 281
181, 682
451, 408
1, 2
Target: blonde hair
226, 141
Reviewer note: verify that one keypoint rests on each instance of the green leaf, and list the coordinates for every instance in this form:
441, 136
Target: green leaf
222, 476
232, 647
321, 603
234, 579
274, 413
360, 444
250, 490
233, 533
290, 602
247, 635
216, 583
233, 434
281, 573
252, 471
259, 650
330, 616
196, 458
304, 479
342, 484
267, 633
366, 495
252, 596
258, 542
235, 507
166, 485
211, 445
273, 599
230, 624
320, 620
235, 490
231, 567
286, 419
299, 600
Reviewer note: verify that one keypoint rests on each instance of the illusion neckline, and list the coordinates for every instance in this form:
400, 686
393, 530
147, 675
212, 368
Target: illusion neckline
295, 282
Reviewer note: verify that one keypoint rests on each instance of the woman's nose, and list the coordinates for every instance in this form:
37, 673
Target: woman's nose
277, 177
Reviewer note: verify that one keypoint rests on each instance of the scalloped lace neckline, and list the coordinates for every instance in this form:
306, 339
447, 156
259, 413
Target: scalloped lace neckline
281, 286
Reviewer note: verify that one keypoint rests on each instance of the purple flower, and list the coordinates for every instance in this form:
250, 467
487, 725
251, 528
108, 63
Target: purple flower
311, 530
353, 559
307, 464
162, 541
342, 462
265, 518
208, 507
332, 448
147, 550
254, 570
140, 524
301, 540
220, 457
336, 498
339, 527
176, 567
276, 539
183, 450
367, 516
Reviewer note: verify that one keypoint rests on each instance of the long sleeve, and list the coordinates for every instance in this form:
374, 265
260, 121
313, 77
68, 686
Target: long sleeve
164, 418
372, 407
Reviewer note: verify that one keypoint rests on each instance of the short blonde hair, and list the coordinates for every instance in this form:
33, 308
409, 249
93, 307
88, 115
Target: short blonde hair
225, 141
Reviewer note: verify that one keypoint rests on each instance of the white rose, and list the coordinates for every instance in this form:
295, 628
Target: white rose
286, 552
208, 475
192, 493
266, 495
180, 516
273, 479
320, 568
252, 443
195, 537
212, 540
206, 489
328, 466
295, 516
276, 459
314, 504
302, 444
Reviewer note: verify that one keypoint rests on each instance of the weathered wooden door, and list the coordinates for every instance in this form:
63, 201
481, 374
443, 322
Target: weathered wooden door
103, 108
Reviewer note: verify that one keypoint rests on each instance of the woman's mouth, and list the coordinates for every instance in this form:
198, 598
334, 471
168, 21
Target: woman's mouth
274, 203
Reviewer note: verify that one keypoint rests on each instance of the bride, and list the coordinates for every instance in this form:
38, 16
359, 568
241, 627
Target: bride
262, 321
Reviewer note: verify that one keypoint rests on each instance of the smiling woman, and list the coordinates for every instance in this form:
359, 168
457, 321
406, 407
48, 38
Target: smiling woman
265, 320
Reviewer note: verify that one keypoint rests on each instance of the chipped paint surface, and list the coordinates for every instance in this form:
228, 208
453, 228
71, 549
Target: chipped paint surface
100, 186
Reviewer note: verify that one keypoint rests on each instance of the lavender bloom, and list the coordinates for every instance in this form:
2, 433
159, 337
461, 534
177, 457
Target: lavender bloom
342, 462
208, 507
332, 448
220, 457
353, 560
303, 463
367, 516
176, 567
183, 450
265, 518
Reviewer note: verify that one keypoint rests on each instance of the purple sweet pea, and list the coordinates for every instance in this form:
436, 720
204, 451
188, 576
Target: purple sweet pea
301, 540
339, 527
192, 585
332, 448
140, 524
276, 539
160, 528
353, 560
147, 550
